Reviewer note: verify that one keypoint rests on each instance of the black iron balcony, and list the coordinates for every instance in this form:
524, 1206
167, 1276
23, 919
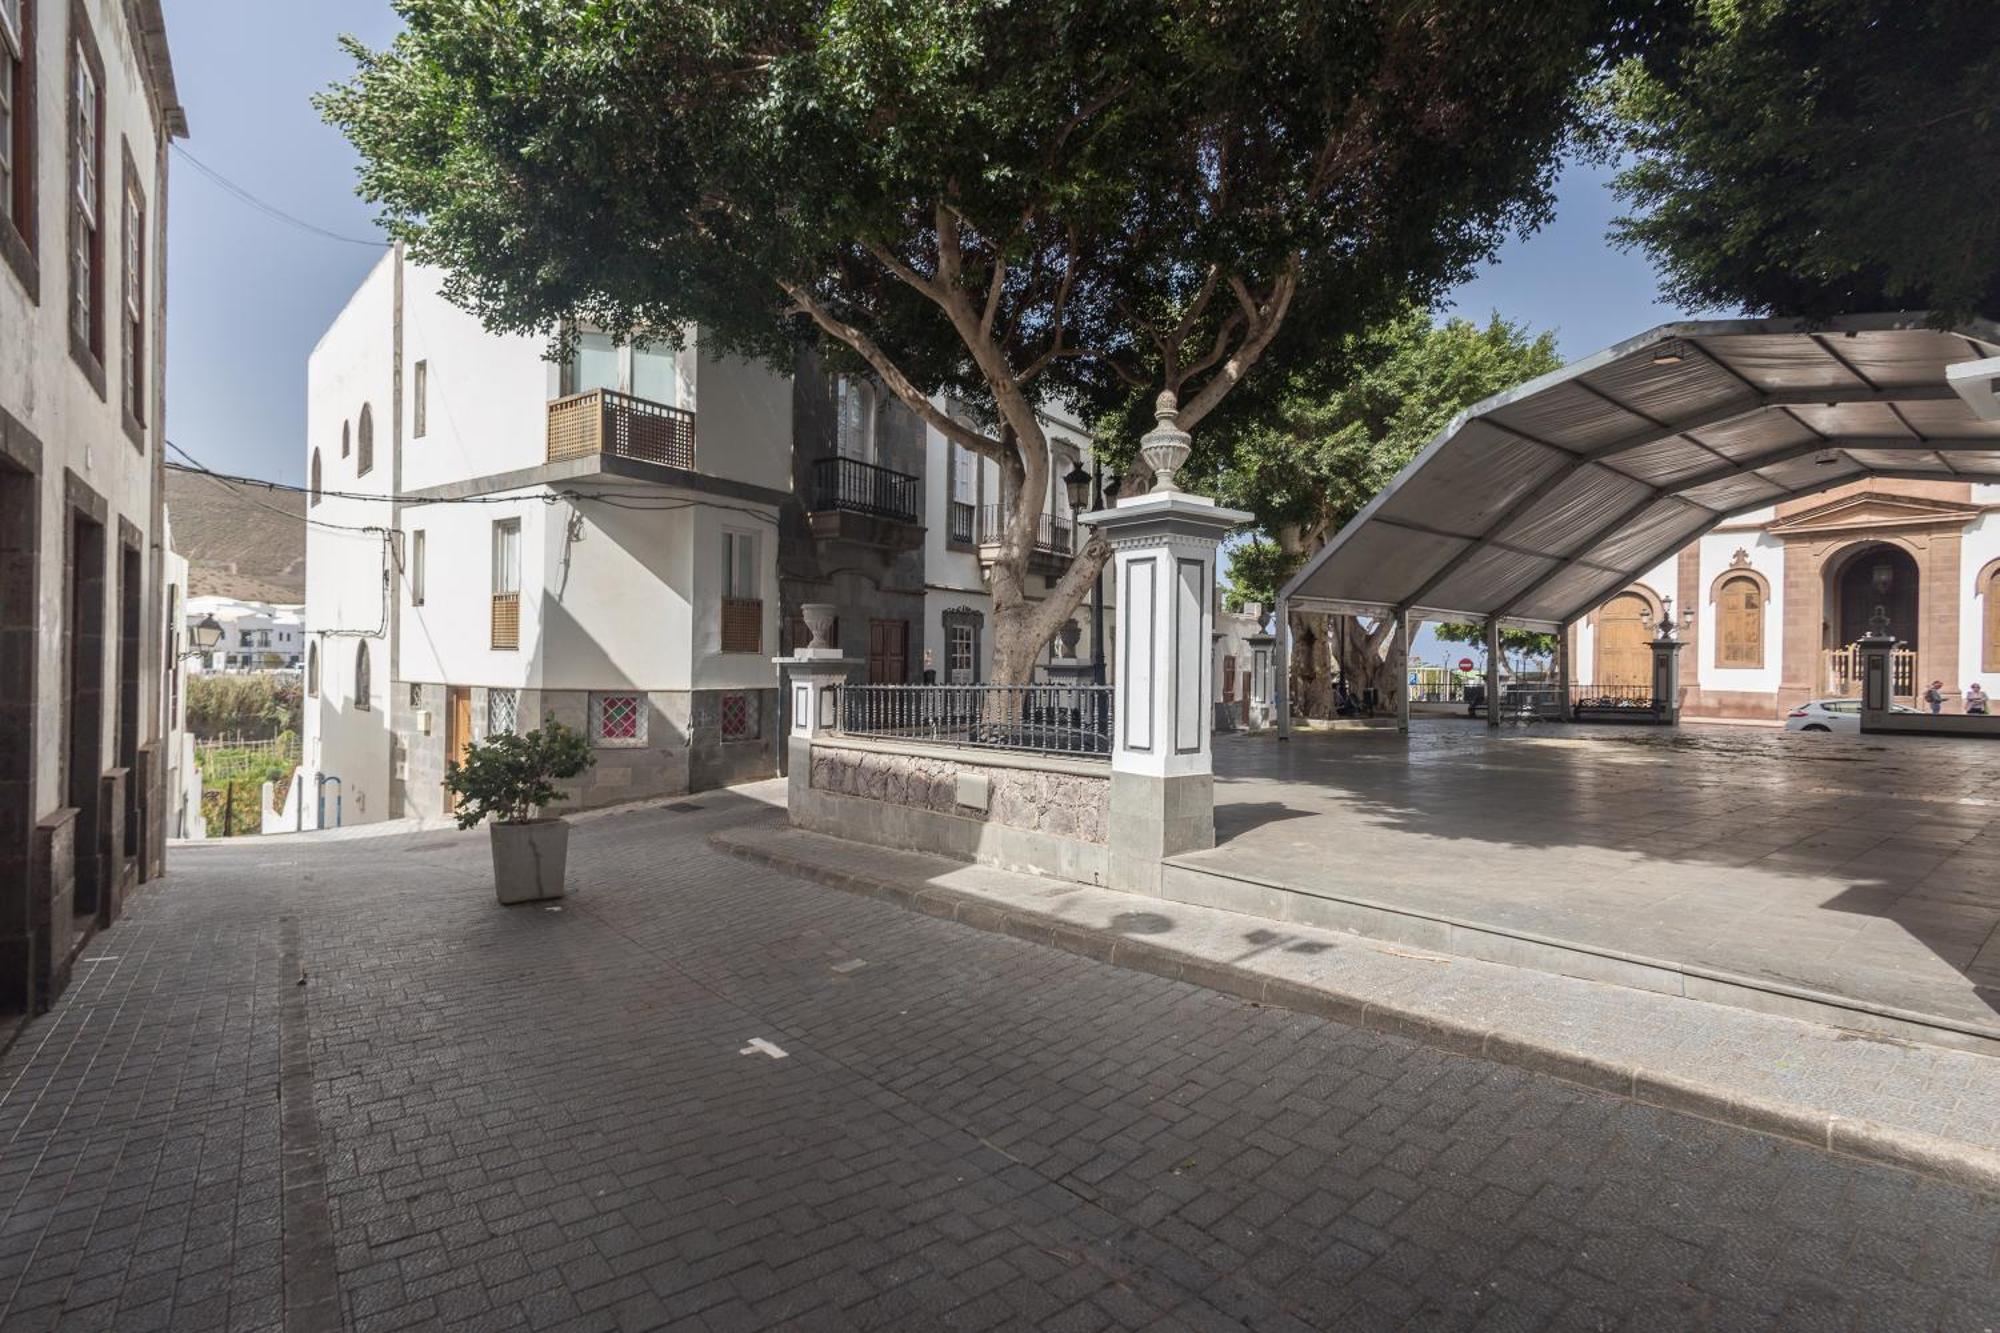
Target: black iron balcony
849, 485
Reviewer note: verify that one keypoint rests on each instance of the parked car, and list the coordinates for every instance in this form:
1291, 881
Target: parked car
1832, 715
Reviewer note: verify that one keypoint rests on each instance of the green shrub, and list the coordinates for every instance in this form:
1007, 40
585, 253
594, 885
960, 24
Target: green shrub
252, 707
510, 778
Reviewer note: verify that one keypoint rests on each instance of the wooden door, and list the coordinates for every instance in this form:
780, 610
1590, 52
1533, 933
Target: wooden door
1623, 657
888, 652
457, 731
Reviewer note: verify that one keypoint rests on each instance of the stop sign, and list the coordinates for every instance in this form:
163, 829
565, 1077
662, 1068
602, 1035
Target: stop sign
1465, 664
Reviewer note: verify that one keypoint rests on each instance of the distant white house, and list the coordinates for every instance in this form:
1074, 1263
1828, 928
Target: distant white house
256, 636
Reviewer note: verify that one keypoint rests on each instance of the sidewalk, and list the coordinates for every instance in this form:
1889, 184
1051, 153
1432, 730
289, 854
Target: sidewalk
1923, 1108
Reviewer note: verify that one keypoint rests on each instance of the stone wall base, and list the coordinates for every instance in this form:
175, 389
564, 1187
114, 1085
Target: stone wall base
57, 933
1153, 818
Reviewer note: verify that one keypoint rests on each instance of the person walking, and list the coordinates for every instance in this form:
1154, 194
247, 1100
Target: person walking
1975, 698
1934, 696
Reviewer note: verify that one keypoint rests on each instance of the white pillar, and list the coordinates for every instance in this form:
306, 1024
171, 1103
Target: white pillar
1163, 545
812, 675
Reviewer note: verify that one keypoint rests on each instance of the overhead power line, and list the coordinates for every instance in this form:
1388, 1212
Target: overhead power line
271, 210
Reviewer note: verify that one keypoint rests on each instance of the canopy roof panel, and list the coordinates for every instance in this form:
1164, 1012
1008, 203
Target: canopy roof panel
1538, 503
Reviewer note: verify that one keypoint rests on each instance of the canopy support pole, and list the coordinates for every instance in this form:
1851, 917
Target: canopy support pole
1493, 673
1564, 679
1401, 650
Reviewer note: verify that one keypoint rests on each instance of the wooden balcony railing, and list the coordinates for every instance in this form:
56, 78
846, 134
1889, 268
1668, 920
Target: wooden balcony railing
506, 620
604, 421
742, 625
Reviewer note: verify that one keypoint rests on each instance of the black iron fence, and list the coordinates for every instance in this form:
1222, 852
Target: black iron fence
1043, 719
863, 488
1618, 702
960, 518
1053, 536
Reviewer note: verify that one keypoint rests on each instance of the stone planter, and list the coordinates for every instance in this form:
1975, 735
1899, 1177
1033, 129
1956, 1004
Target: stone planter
819, 619
528, 860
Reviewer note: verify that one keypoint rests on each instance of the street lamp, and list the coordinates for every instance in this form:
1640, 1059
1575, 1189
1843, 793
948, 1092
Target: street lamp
204, 635
1077, 482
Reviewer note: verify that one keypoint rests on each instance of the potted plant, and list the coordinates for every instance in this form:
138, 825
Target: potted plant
511, 778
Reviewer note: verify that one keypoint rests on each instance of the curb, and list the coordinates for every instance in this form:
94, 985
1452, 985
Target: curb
1930, 1155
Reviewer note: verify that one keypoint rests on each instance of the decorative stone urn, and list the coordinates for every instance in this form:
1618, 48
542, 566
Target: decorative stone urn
1166, 446
819, 619
1067, 636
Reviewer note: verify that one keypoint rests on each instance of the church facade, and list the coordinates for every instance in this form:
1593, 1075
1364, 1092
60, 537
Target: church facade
1778, 597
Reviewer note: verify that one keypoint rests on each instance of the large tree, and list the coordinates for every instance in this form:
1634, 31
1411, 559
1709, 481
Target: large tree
1332, 435
1818, 157
990, 203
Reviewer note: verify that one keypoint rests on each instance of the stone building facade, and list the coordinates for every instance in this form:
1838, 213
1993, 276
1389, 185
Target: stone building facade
90, 113
1780, 595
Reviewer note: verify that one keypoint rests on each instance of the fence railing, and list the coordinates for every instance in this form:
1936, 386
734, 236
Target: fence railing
223, 758
1633, 699
1042, 719
961, 522
1843, 672
1053, 535
863, 488
604, 421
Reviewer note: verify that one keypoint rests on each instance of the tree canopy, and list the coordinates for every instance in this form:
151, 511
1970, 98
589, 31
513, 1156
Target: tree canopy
1818, 157
1005, 203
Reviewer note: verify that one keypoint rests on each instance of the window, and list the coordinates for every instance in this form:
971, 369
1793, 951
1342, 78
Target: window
17, 138
416, 695
86, 219
854, 418
417, 568
739, 717
655, 375
363, 683
503, 709
312, 669
419, 396
315, 477
742, 606
346, 439
132, 308
617, 720
593, 365
1739, 622
506, 584
364, 453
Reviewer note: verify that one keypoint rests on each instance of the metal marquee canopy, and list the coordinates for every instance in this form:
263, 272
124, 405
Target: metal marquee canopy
1537, 504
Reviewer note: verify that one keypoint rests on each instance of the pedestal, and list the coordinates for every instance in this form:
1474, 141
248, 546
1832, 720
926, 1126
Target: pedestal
813, 676
1667, 680
1162, 781
1878, 679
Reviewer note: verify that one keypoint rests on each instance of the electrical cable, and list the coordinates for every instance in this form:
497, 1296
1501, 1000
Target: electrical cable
271, 210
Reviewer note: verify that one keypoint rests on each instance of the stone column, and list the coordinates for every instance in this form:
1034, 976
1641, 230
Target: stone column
1163, 546
813, 674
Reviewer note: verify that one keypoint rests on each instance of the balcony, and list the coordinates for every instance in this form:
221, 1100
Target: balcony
604, 422
1055, 539
859, 502
961, 523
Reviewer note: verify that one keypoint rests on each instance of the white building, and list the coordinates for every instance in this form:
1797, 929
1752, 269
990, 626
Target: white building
256, 636
963, 516
593, 544
1774, 600
87, 109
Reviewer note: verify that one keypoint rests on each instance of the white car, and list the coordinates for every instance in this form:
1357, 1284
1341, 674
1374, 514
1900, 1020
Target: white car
1832, 715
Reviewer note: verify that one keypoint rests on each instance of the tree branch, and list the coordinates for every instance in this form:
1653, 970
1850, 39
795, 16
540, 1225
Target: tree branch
892, 375
1258, 335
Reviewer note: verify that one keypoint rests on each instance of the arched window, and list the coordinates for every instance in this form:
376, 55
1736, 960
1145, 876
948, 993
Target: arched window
365, 452
312, 670
362, 683
315, 477
346, 439
1739, 622
1988, 587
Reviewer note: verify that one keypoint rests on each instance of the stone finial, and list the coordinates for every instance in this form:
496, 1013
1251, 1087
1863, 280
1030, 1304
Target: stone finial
1166, 446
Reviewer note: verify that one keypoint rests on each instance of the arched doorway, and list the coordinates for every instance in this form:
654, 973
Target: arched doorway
1622, 635
1877, 575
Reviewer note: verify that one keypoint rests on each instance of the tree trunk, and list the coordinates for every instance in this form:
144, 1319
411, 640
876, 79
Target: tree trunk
1360, 653
1312, 678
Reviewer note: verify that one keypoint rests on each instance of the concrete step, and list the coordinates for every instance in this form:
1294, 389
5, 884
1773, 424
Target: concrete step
1915, 1105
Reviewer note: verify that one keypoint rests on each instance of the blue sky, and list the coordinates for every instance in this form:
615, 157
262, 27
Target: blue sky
249, 295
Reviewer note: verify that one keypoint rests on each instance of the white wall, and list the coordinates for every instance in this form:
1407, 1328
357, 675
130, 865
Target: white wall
743, 422
487, 394
1981, 547
1767, 557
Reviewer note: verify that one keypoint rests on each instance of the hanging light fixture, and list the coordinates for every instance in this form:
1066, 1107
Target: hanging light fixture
1826, 457
1669, 353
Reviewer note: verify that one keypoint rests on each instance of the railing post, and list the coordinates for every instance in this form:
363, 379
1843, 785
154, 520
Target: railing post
1164, 545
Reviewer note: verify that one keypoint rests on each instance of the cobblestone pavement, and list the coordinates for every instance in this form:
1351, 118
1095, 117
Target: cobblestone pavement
470, 1117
